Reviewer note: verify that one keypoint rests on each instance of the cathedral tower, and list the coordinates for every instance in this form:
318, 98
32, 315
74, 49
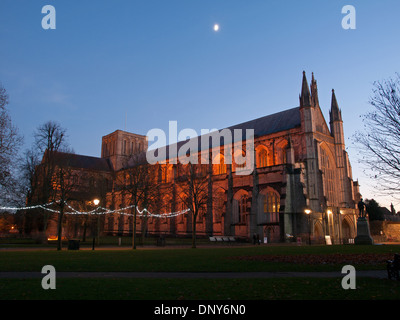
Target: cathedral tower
308, 115
120, 145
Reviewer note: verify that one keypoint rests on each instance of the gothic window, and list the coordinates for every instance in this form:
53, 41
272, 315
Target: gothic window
271, 207
240, 160
239, 209
262, 158
242, 209
329, 176
220, 168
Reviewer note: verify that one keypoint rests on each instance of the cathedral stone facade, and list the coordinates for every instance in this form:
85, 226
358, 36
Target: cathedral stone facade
301, 187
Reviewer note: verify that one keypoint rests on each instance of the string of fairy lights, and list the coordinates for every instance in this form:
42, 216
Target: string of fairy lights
99, 210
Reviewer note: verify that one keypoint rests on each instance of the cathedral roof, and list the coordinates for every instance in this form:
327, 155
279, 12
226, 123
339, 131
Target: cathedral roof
281, 121
84, 162
277, 122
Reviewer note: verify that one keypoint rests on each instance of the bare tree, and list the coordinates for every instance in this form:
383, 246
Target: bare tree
63, 184
138, 182
10, 143
50, 138
28, 169
380, 141
194, 192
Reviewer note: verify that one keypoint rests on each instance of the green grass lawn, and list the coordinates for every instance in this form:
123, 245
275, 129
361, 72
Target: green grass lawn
170, 259
228, 259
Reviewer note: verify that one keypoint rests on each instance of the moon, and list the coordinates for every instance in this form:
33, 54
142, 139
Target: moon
216, 27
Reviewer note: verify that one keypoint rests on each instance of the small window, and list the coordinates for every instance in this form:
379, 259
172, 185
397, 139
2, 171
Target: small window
262, 158
242, 209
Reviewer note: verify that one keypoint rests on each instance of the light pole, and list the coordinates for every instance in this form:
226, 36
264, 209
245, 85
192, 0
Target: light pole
96, 203
308, 213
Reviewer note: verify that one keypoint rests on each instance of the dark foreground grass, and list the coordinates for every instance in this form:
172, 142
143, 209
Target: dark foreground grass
192, 260
181, 260
200, 289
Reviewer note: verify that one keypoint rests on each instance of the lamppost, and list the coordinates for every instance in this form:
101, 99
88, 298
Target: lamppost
308, 213
96, 203
340, 226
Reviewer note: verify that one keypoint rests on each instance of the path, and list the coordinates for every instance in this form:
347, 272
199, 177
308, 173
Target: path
381, 274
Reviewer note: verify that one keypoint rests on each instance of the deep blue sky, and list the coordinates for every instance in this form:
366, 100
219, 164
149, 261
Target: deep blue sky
157, 61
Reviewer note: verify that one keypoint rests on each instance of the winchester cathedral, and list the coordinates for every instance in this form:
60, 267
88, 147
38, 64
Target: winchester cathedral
301, 186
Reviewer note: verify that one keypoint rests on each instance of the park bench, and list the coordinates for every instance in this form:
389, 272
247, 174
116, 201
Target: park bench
222, 239
393, 267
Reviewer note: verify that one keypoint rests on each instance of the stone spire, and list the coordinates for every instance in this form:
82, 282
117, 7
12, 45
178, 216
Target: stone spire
314, 92
335, 114
305, 96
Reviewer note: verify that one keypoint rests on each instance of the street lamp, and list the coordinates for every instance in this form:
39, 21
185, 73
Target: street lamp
96, 203
307, 211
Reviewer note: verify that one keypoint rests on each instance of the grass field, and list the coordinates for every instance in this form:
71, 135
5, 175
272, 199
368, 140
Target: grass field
217, 259
210, 259
199, 289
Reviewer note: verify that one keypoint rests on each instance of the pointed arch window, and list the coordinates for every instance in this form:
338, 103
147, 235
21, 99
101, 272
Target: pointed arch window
269, 206
242, 208
329, 176
239, 211
220, 168
262, 158
240, 156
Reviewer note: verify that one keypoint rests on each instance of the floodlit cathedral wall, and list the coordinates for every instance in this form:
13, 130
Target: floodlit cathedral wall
300, 163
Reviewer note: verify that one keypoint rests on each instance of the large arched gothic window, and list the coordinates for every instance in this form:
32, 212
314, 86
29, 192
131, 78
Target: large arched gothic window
271, 206
328, 172
242, 208
239, 207
268, 206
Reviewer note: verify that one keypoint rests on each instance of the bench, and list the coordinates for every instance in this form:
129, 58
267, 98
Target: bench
222, 239
393, 267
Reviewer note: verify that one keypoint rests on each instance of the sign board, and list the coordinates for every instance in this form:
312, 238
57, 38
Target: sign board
328, 240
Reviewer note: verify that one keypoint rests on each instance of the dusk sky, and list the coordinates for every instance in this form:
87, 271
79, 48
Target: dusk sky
136, 65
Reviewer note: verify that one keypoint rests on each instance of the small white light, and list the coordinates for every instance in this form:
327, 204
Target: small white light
216, 27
